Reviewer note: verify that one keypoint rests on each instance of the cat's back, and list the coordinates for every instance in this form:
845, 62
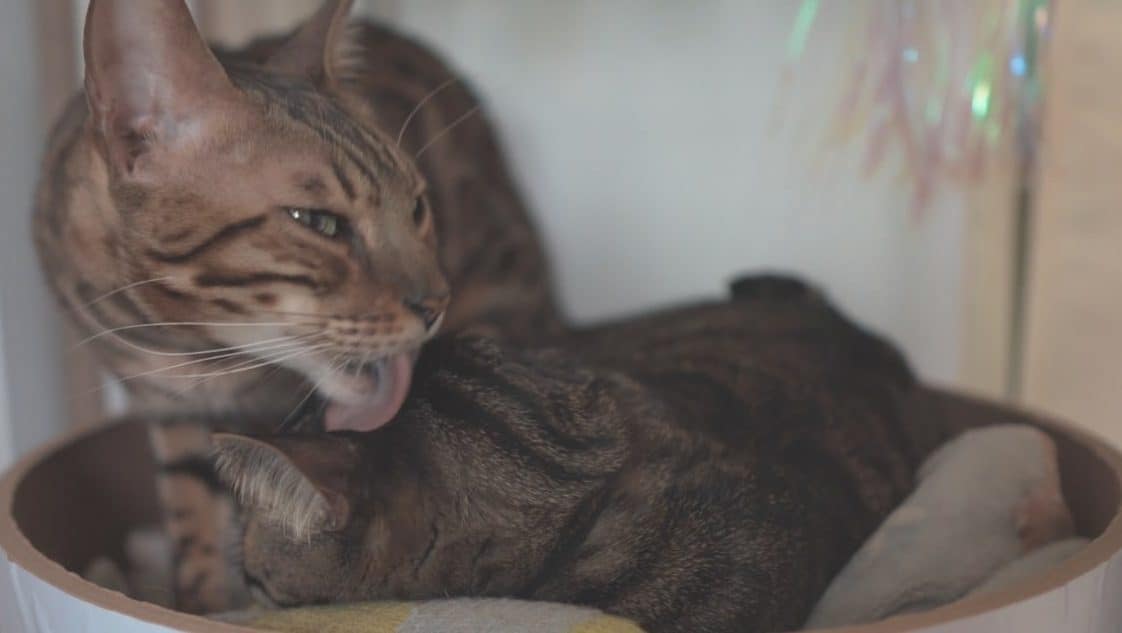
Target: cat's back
791, 434
771, 329
742, 448
766, 436
777, 372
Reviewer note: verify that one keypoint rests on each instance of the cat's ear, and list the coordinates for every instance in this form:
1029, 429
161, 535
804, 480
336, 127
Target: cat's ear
151, 81
319, 48
299, 482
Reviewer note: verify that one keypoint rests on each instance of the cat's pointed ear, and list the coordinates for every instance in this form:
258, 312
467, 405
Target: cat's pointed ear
319, 48
151, 80
299, 482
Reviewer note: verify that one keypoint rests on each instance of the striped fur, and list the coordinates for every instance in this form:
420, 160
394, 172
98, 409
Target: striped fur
166, 231
708, 468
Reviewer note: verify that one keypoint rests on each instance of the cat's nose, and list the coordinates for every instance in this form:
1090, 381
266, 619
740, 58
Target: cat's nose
428, 308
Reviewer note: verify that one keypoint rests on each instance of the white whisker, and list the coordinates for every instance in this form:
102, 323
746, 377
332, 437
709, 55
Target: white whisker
315, 386
271, 361
181, 324
451, 126
288, 418
256, 358
252, 356
421, 104
124, 288
280, 346
247, 347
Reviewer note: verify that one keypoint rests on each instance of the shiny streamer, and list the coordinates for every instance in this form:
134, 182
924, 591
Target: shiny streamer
941, 83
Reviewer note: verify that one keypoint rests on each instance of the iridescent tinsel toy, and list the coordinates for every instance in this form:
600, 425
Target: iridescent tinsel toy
944, 83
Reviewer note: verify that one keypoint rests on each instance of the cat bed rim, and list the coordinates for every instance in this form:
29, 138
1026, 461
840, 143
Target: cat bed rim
18, 549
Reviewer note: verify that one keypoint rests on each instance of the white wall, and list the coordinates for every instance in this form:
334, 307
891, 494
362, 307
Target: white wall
7, 450
662, 158
31, 401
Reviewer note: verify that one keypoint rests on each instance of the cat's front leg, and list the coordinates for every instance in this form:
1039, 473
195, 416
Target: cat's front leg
199, 518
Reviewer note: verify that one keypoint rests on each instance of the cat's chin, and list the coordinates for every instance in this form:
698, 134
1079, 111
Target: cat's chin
372, 398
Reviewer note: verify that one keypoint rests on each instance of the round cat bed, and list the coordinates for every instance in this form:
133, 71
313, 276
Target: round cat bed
71, 502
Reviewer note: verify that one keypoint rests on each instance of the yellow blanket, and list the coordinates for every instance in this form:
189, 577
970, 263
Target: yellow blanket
441, 616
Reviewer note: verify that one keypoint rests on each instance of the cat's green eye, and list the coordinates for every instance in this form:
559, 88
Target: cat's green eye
323, 222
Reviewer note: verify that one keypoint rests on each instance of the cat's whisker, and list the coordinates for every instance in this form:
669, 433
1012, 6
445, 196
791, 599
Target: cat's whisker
299, 405
135, 326
420, 104
285, 347
299, 314
288, 419
124, 288
197, 379
256, 358
250, 352
253, 355
271, 361
247, 347
451, 126
197, 361
267, 376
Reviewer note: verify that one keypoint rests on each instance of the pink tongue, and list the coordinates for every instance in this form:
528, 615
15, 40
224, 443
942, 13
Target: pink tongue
393, 386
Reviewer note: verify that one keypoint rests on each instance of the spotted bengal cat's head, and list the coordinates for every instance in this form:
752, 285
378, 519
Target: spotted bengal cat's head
262, 195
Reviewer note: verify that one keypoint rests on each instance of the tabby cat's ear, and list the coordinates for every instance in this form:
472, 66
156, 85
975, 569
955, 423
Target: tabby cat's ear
318, 50
299, 482
151, 80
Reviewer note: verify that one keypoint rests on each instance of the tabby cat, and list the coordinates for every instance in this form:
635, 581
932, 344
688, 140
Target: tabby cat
233, 231
708, 468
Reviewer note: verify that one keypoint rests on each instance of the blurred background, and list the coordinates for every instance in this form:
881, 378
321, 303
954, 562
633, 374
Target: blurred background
946, 170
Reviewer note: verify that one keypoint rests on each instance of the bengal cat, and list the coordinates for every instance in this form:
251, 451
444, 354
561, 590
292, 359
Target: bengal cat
235, 230
708, 468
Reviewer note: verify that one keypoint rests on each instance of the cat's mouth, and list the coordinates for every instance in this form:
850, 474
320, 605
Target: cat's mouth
365, 396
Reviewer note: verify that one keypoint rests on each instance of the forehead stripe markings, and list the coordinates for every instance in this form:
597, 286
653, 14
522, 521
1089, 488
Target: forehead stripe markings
356, 144
323, 118
300, 105
344, 182
351, 153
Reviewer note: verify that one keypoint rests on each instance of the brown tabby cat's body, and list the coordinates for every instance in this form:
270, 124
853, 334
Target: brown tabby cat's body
703, 469
232, 234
